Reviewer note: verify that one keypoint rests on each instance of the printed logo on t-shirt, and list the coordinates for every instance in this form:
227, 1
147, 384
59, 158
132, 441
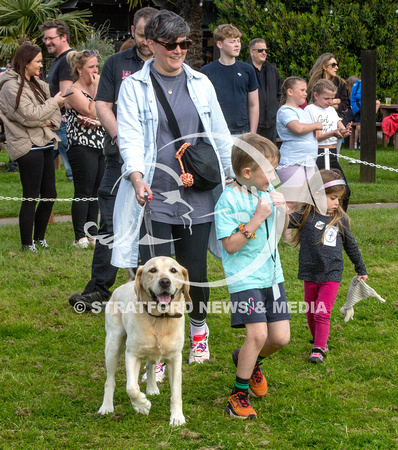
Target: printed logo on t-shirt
319, 225
126, 74
239, 74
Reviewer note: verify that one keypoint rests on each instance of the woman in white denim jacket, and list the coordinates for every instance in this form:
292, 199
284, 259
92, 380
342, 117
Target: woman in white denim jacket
150, 167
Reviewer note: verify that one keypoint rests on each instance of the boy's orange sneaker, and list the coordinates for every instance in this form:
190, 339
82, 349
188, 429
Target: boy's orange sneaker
239, 406
258, 384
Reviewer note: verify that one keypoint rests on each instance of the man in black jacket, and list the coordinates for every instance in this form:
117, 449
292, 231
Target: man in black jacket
270, 88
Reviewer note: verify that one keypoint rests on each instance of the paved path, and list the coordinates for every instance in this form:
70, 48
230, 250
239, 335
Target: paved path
14, 220
59, 219
373, 205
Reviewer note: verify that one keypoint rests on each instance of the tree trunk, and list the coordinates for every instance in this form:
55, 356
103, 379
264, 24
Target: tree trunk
195, 53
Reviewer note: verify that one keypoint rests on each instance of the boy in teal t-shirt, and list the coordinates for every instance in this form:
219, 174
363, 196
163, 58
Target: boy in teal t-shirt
250, 217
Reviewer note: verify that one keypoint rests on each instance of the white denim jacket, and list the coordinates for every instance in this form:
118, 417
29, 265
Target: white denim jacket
137, 124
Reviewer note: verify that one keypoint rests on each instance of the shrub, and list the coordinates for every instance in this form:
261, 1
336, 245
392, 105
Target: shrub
298, 32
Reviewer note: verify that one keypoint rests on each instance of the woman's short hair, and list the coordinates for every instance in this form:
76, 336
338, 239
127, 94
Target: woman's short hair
246, 146
166, 25
226, 31
77, 60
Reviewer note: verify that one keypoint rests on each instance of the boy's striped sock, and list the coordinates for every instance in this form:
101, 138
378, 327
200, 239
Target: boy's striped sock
259, 359
241, 385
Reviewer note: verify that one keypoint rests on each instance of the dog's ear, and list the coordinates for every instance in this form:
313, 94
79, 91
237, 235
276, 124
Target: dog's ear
137, 286
186, 285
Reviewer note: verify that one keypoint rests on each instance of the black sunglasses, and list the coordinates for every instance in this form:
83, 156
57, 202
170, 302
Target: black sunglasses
260, 50
170, 46
90, 53
333, 65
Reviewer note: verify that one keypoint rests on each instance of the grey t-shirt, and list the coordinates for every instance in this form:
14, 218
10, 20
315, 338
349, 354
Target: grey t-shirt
171, 203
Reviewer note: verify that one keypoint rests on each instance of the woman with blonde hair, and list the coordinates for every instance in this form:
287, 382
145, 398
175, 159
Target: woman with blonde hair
85, 143
326, 67
30, 118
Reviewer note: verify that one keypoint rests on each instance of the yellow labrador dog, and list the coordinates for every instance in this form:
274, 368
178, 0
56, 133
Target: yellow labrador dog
148, 316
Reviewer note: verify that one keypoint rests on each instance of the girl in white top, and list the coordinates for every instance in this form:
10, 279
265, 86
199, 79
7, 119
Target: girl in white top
299, 144
321, 110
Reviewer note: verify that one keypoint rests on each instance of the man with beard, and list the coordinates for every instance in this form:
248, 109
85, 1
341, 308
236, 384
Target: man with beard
116, 68
56, 39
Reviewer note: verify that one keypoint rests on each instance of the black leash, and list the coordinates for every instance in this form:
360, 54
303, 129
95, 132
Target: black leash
148, 226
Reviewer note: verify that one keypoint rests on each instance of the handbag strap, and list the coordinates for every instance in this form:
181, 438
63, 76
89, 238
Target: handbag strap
175, 129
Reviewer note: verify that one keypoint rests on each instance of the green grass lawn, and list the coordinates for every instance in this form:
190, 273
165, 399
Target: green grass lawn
52, 359
52, 370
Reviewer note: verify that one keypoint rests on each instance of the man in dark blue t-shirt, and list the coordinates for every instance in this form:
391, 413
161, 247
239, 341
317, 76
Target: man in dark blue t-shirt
235, 82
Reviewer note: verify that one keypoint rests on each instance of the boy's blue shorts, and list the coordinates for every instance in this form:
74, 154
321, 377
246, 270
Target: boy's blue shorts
258, 305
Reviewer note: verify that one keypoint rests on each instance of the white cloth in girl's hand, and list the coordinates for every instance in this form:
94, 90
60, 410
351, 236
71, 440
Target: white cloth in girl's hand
357, 292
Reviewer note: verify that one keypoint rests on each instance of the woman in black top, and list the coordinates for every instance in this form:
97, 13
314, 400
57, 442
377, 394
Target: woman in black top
326, 67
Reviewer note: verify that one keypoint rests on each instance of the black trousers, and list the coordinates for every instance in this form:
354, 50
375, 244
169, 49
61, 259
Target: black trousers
269, 133
88, 166
334, 164
190, 251
103, 274
36, 170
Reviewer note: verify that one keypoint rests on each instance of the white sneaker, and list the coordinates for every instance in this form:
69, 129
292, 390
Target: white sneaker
160, 373
81, 243
30, 248
199, 348
42, 243
91, 242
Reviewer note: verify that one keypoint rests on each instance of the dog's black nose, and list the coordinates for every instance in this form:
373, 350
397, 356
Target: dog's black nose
164, 282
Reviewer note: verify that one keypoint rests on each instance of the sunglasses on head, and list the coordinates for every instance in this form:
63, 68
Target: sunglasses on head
261, 50
333, 65
90, 53
170, 46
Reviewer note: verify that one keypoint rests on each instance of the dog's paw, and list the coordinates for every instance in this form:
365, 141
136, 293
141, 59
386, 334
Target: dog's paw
152, 390
105, 409
177, 420
141, 405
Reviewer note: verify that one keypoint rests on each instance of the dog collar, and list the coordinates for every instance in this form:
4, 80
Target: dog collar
164, 315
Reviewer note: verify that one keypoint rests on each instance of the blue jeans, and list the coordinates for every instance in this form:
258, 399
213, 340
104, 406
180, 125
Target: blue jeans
103, 274
62, 148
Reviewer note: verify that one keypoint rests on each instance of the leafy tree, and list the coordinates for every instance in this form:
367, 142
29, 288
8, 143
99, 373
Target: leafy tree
20, 20
191, 11
297, 32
